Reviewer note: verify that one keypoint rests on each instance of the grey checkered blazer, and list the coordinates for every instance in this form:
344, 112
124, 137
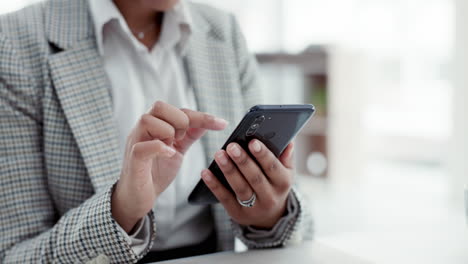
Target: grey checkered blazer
58, 149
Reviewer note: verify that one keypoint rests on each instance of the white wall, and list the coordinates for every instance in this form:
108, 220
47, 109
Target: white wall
458, 158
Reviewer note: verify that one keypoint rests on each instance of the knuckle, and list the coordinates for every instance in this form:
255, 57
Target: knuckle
158, 106
229, 170
144, 120
136, 151
243, 160
223, 198
270, 203
273, 166
257, 179
213, 186
284, 185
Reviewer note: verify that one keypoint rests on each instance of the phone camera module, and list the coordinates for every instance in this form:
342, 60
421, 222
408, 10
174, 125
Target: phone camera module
254, 126
252, 129
250, 133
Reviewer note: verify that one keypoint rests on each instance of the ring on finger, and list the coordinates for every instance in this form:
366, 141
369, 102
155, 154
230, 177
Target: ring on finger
248, 203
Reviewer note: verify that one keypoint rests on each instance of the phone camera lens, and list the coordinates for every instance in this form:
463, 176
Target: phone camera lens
255, 126
250, 132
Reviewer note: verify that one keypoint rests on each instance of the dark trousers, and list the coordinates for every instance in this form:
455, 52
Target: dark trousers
206, 247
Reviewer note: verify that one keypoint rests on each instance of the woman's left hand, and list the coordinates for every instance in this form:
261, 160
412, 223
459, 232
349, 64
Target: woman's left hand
271, 183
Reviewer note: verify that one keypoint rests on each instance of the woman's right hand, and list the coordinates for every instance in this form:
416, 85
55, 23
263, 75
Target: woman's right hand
153, 156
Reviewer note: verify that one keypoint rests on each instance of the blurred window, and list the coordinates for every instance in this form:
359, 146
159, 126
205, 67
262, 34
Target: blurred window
406, 47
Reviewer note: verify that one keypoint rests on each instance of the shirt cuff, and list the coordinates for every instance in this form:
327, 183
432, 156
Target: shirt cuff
139, 238
274, 237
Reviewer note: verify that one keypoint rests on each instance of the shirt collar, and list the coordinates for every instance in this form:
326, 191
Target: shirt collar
176, 29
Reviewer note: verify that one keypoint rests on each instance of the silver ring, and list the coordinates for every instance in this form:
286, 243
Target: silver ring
250, 202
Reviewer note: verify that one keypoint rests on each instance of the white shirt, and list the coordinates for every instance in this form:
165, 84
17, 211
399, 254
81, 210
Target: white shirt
138, 78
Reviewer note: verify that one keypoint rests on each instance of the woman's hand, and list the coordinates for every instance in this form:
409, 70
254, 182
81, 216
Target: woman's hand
271, 183
154, 152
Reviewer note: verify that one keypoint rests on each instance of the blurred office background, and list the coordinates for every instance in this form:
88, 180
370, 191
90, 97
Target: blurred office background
385, 159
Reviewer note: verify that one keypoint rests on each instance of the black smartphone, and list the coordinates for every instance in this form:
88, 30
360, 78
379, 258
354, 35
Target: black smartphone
274, 125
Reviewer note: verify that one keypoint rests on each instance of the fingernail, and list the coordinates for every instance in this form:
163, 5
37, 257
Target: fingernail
206, 176
235, 151
256, 146
221, 121
179, 134
170, 151
221, 158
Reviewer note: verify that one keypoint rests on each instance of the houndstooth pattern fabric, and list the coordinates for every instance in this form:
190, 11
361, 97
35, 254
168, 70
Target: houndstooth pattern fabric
58, 149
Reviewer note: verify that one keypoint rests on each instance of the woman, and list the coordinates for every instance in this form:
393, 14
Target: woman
103, 105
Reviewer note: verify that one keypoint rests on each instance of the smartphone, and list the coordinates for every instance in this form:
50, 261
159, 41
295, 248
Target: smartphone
274, 125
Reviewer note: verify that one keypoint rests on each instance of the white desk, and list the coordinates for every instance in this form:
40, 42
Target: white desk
308, 253
391, 213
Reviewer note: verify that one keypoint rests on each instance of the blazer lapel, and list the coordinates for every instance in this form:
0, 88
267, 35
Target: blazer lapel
201, 64
82, 87
212, 67
214, 82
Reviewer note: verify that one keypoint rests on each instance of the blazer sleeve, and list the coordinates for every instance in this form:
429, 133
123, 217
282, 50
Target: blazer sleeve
31, 231
297, 224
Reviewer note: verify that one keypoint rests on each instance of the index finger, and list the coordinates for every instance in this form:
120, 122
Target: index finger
204, 120
171, 115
